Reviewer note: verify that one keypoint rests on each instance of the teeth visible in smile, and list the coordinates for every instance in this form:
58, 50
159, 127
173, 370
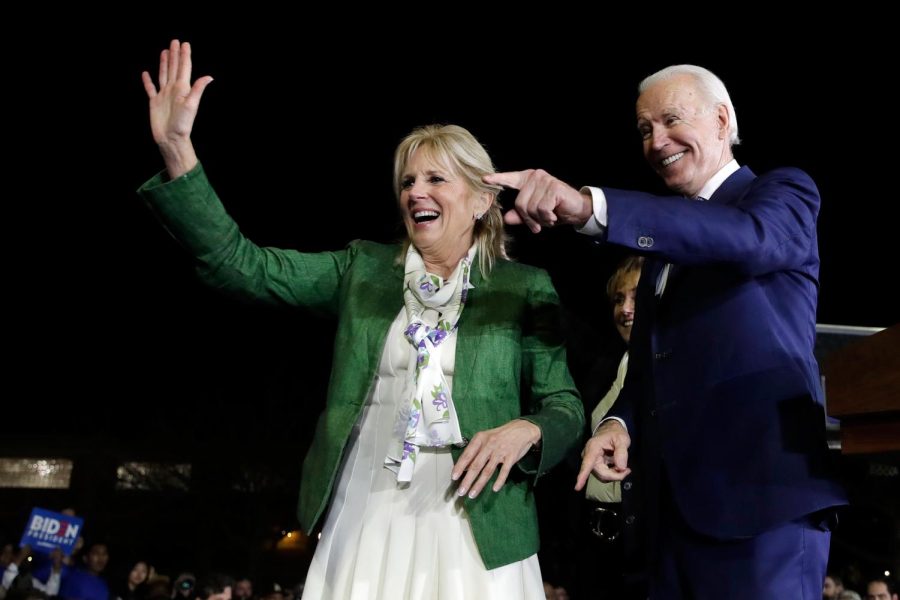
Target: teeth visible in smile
668, 161
421, 216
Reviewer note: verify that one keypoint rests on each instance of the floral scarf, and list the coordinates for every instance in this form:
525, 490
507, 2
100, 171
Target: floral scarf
428, 418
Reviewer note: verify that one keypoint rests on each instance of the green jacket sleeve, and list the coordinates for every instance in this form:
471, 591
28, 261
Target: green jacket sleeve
553, 397
191, 212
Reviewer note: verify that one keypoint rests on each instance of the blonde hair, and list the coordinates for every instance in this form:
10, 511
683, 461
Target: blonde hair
457, 150
628, 266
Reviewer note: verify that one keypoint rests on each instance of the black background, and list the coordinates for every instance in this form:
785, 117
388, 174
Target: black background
297, 134
115, 352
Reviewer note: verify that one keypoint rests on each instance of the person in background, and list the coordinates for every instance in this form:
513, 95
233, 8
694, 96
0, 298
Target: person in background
20, 573
620, 290
158, 587
136, 581
86, 582
215, 586
243, 589
832, 587
881, 588
602, 561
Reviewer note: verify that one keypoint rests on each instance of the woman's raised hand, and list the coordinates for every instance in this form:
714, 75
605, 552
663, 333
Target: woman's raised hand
173, 107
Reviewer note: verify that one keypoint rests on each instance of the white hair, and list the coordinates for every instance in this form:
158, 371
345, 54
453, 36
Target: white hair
707, 83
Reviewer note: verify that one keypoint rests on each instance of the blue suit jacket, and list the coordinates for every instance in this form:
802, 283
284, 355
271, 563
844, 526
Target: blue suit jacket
722, 395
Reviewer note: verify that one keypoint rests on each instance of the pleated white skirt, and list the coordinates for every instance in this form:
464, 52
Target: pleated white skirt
386, 541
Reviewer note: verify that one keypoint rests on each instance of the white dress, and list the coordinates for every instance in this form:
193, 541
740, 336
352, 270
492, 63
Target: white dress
386, 541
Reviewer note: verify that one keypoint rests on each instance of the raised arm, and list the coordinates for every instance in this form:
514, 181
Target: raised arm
173, 107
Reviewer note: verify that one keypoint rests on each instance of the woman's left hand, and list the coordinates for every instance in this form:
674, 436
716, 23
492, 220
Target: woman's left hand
503, 446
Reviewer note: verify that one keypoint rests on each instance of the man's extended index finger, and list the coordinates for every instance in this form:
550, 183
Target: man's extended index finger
510, 179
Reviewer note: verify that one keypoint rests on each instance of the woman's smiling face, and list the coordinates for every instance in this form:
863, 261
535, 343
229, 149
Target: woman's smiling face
438, 208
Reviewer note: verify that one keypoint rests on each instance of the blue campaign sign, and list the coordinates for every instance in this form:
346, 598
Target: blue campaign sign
47, 530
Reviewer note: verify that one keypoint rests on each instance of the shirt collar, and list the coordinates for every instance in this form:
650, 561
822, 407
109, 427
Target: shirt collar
710, 187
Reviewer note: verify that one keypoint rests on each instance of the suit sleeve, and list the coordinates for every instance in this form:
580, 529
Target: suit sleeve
554, 403
771, 227
191, 212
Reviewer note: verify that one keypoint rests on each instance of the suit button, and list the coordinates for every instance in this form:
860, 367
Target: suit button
629, 520
626, 486
652, 412
645, 241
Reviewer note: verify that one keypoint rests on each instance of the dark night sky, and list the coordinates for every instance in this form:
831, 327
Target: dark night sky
298, 135
114, 352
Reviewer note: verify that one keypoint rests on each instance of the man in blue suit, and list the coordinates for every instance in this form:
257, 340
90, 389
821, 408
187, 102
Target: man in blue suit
722, 397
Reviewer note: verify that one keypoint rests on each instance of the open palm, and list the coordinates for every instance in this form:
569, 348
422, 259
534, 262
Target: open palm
173, 107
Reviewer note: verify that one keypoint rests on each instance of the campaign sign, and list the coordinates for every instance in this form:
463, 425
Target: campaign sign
47, 530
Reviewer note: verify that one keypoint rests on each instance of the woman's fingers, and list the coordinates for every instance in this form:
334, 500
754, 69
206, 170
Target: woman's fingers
184, 66
489, 450
148, 85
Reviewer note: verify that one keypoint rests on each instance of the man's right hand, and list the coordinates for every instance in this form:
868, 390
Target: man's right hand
605, 454
543, 200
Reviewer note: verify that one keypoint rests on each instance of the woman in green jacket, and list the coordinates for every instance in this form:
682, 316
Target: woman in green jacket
448, 375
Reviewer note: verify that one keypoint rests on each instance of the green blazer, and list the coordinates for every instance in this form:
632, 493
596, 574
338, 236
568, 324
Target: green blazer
510, 361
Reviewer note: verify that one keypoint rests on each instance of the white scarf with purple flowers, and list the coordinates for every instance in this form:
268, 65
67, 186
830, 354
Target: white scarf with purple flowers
429, 417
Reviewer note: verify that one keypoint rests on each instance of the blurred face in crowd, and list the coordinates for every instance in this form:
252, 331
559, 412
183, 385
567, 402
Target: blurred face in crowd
225, 594
96, 558
138, 574
623, 304
243, 589
831, 589
878, 590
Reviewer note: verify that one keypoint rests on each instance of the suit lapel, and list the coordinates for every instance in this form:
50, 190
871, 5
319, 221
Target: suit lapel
729, 192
